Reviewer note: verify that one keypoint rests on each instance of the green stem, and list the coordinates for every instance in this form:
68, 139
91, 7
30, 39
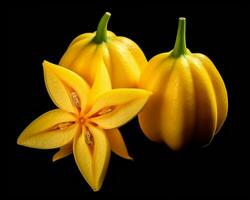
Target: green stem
101, 33
180, 42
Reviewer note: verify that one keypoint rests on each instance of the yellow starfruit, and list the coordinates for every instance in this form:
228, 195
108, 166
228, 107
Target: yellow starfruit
189, 103
122, 57
86, 120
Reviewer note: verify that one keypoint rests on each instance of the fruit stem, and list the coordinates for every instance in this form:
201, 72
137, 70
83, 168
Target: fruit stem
101, 33
180, 42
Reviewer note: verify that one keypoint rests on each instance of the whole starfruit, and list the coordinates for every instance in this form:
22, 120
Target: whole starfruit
122, 57
189, 103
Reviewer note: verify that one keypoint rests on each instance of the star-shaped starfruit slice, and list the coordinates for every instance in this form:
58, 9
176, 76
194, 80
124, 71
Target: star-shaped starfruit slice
86, 120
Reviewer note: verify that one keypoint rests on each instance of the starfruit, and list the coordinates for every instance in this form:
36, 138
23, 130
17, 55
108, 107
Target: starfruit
122, 57
189, 103
86, 120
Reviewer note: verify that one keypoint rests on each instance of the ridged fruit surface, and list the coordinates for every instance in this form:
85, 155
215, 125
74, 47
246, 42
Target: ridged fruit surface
122, 57
189, 103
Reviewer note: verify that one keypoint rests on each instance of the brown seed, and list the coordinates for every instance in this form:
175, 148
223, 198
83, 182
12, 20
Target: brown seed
89, 138
106, 110
75, 99
63, 125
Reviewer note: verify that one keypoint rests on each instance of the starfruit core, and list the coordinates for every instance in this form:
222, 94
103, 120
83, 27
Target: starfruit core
122, 57
86, 120
189, 103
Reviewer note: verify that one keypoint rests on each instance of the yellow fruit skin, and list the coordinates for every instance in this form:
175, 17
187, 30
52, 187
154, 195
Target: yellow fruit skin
189, 102
122, 57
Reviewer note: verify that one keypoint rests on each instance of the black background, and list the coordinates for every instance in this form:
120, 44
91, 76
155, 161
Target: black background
44, 32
